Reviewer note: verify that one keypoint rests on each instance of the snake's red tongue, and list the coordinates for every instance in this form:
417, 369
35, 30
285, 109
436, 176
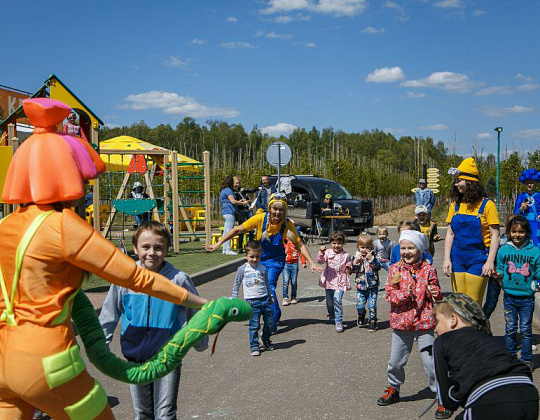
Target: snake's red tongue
215, 342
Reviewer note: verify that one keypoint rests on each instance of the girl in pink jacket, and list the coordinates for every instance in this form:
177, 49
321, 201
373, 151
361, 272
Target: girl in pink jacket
411, 289
335, 277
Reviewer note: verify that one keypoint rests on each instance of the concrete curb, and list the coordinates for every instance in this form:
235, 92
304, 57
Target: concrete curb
213, 273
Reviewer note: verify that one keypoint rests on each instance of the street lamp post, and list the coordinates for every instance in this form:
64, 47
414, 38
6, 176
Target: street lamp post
499, 131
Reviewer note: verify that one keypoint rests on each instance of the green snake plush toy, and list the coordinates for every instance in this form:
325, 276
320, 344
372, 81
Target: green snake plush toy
210, 319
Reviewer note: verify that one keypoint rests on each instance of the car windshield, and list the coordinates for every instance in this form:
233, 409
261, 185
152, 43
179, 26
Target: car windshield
338, 191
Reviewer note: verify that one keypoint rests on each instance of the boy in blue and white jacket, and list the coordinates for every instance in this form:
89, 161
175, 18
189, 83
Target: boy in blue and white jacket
518, 263
148, 322
252, 275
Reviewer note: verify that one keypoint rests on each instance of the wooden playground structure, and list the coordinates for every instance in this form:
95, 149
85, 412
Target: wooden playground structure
175, 211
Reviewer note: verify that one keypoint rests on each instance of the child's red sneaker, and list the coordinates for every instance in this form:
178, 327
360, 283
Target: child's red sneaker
390, 396
443, 413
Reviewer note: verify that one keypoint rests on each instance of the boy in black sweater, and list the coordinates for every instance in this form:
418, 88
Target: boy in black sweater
474, 370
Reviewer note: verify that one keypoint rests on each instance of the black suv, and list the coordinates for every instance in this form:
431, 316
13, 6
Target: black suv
306, 196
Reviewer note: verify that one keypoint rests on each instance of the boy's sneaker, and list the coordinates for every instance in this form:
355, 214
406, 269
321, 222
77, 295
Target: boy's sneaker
443, 413
268, 345
390, 396
361, 321
339, 327
255, 352
285, 302
294, 301
372, 326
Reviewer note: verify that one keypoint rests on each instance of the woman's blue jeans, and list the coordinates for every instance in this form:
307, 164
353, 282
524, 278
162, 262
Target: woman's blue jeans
229, 224
334, 305
290, 275
519, 309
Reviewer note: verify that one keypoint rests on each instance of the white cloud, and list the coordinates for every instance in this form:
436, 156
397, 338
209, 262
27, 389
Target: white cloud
237, 44
450, 4
494, 90
479, 12
172, 103
531, 133
386, 75
231, 19
500, 112
280, 129
331, 7
111, 125
415, 95
434, 127
174, 61
307, 44
272, 35
393, 130
372, 30
398, 8
198, 41
527, 87
290, 19
524, 78
445, 80
484, 136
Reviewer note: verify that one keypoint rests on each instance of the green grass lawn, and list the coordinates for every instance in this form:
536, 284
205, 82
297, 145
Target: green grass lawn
192, 258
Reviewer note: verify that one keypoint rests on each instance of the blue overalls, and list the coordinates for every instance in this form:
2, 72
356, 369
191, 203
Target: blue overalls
273, 258
469, 252
531, 214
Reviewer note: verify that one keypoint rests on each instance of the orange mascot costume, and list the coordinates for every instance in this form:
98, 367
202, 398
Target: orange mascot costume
44, 250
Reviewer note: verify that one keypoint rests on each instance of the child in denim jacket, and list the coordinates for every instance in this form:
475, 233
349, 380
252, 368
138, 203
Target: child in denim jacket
366, 266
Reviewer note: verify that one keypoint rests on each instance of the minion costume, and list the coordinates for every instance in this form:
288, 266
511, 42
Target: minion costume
273, 249
532, 212
470, 248
45, 250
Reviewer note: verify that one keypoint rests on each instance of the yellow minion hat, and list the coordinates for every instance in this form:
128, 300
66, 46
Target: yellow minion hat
278, 198
468, 170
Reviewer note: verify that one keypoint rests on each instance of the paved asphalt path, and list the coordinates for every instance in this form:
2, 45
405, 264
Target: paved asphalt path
313, 373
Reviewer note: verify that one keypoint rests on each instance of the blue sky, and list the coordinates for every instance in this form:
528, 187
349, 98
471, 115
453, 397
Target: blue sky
450, 69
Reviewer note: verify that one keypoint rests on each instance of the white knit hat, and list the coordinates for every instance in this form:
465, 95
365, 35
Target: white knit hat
417, 238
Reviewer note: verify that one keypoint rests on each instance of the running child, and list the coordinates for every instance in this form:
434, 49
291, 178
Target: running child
518, 265
335, 277
474, 370
427, 227
148, 322
252, 275
366, 266
411, 289
383, 247
290, 271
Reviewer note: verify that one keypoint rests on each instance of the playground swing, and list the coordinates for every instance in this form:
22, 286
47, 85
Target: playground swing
169, 209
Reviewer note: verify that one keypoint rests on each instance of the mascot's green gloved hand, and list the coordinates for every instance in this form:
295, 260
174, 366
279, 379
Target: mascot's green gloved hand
210, 319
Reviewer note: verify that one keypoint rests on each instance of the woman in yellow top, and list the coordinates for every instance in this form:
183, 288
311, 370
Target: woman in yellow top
472, 239
272, 228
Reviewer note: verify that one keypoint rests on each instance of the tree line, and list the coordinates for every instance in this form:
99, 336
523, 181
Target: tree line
369, 163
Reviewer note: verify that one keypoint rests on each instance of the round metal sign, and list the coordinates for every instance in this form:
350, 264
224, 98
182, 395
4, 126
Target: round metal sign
278, 153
